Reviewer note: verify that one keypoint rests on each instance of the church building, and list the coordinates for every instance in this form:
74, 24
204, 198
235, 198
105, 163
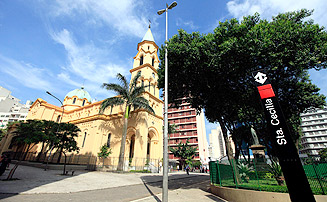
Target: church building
144, 132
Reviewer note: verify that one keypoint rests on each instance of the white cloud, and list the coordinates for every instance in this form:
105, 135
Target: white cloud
269, 8
125, 16
26, 74
181, 23
86, 62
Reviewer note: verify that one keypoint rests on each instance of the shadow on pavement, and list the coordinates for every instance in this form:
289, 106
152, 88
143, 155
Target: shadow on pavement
26, 179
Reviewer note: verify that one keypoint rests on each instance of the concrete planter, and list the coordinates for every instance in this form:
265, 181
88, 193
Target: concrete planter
243, 195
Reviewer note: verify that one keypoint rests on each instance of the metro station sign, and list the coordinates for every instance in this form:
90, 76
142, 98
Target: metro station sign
282, 143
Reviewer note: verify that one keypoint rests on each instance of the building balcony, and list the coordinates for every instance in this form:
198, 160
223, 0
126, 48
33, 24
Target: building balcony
183, 137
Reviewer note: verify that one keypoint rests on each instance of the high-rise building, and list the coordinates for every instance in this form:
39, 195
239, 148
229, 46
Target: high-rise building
11, 109
189, 126
314, 128
217, 145
217, 148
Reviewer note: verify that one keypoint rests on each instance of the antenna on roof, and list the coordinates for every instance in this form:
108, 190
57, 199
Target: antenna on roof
149, 23
83, 84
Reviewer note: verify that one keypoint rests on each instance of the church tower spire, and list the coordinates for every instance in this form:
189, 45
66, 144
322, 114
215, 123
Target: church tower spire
147, 61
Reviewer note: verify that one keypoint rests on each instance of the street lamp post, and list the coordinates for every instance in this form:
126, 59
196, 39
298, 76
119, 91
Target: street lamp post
62, 114
165, 149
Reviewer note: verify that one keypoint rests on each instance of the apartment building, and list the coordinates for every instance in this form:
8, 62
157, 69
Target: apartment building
314, 128
11, 109
189, 126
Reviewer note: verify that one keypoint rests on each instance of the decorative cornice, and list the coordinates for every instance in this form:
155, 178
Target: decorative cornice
143, 110
154, 97
98, 117
142, 66
66, 98
145, 41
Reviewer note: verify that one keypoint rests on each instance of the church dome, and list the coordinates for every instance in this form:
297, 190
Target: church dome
80, 93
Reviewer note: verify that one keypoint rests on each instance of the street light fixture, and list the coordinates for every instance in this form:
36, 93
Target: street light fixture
165, 149
62, 114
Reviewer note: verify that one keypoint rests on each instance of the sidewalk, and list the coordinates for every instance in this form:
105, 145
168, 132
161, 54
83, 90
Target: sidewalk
190, 195
33, 180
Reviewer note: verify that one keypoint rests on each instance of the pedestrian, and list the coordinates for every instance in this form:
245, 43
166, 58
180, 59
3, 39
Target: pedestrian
187, 169
4, 163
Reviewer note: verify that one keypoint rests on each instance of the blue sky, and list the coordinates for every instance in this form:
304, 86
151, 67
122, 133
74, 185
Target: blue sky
59, 45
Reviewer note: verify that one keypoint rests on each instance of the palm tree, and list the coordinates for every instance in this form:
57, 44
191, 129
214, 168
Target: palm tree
131, 97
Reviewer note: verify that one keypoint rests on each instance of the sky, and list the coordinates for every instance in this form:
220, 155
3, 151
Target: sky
61, 45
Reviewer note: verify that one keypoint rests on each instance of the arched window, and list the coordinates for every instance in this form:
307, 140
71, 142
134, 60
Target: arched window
149, 86
141, 60
74, 100
131, 147
142, 83
148, 147
58, 118
154, 89
83, 102
153, 62
108, 141
84, 139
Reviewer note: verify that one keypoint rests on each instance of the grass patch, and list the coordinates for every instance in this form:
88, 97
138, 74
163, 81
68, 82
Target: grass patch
269, 185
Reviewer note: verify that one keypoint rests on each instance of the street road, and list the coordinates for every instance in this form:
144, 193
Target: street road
122, 193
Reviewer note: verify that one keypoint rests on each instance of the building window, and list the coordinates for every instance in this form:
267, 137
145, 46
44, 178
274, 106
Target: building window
148, 147
58, 118
142, 83
108, 141
149, 86
141, 60
131, 147
153, 62
84, 139
74, 100
83, 102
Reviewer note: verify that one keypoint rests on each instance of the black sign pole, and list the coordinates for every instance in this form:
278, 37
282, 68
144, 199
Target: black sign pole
296, 180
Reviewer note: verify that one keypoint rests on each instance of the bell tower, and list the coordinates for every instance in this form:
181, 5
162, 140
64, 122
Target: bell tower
147, 61
148, 125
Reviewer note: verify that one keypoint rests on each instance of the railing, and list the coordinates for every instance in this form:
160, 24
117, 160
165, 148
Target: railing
258, 175
92, 162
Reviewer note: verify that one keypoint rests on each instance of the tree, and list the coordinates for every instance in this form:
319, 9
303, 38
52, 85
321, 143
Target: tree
183, 151
172, 128
25, 136
104, 153
323, 154
2, 133
215, 70
131, 96
50, 136
65, 139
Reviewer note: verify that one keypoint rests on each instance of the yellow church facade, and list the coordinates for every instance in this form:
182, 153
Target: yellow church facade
144, 143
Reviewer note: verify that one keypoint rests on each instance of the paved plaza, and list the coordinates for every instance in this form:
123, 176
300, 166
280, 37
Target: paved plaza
35, 181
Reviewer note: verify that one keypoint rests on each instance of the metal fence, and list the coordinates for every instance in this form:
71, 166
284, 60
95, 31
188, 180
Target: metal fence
130, 164
92, 162
261, 175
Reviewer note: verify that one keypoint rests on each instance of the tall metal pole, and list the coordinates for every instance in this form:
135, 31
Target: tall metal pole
62, 114
165, 141
165, 152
